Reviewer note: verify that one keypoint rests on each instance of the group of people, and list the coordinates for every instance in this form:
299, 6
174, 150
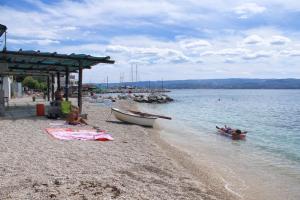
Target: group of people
73, 118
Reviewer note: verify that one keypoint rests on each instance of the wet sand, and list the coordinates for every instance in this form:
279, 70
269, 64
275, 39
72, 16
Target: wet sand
136, 165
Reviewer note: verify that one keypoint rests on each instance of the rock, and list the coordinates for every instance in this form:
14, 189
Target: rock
152, 98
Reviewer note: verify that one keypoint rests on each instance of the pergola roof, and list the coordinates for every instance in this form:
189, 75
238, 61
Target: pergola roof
47, 63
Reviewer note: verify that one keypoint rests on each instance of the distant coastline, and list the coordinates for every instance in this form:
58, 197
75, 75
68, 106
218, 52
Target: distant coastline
232, 83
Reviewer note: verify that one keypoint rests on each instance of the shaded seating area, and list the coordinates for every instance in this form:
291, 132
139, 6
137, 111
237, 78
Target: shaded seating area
21, 108
51, 65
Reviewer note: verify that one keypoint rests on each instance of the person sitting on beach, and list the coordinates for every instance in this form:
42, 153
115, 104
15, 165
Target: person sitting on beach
58, 95
74, 117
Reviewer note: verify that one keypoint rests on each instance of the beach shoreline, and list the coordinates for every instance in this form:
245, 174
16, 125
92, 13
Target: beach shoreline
136, 165
201, 172
249, 169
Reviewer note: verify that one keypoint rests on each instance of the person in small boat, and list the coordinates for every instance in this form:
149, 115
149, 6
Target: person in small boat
74, 117
226, 129
231, 131
236, 132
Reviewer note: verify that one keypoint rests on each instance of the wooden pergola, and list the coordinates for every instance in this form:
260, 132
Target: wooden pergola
50, 65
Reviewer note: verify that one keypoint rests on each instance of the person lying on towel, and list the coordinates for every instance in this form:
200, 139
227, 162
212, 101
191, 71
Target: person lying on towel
74, 117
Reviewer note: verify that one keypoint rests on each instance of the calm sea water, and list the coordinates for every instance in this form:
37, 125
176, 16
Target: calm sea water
266, 164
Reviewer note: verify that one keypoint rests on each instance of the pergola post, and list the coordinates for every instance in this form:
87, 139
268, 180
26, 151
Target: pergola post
48, 88
80, 88
52, 87
67, 84
58, 80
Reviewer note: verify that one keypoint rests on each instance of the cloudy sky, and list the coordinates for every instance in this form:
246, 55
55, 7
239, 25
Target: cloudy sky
169, 39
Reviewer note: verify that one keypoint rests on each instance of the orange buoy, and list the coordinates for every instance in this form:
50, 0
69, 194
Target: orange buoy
40, 110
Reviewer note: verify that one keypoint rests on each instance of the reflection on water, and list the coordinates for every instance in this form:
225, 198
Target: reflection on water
270, 156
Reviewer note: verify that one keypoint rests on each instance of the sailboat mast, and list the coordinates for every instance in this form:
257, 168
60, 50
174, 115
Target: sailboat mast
131, 75
107, 82
136, 73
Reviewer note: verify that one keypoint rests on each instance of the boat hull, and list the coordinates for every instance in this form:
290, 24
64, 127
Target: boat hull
133, 118
233, 137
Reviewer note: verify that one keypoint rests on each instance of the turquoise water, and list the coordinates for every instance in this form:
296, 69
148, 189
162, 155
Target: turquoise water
270, 155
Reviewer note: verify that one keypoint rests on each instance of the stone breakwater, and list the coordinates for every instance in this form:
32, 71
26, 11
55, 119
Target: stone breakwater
140, 98
152, 98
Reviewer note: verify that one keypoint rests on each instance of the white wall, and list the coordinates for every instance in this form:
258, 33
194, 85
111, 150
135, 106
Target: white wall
19, 90
7, 86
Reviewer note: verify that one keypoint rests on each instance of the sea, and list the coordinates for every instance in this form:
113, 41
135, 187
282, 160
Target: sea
266, 165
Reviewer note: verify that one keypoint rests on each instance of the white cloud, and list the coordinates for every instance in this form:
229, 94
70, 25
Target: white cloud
90, 48
43, 42
248, 9
175, 56
253, 40
257, 55
117, 49
232, 52
208, 53
229, 61
157, 34
227, 52
279, 40
149, 54
291, 53
198, 61
194, 44
138, 61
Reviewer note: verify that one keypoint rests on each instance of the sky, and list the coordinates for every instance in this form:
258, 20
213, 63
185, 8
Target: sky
165, 39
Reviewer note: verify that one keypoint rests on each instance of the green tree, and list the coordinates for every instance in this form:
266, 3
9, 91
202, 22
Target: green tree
43, 86
29, 82
32, 83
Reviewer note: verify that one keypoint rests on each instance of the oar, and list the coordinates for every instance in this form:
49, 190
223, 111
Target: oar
148, 114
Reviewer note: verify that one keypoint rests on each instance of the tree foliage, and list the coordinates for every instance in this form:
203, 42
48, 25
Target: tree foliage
32, 83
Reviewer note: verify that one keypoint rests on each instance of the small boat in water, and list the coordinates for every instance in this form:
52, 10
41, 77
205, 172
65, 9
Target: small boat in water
234, 134
136, 117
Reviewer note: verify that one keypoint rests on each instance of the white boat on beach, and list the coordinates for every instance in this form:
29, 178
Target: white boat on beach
136, 117
95, 99
133, 118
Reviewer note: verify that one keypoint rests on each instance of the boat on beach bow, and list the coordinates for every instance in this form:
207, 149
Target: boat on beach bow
133, 118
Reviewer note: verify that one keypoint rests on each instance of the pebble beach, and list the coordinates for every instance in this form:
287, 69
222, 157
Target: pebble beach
138, 164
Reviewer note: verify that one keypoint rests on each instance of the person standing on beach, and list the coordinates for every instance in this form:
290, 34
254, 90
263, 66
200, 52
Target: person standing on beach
58, 95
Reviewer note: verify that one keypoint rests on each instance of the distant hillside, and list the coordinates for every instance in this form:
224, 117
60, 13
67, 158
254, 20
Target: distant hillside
235, 83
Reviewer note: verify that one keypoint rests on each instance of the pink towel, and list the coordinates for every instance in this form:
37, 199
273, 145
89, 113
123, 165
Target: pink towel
72, 134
